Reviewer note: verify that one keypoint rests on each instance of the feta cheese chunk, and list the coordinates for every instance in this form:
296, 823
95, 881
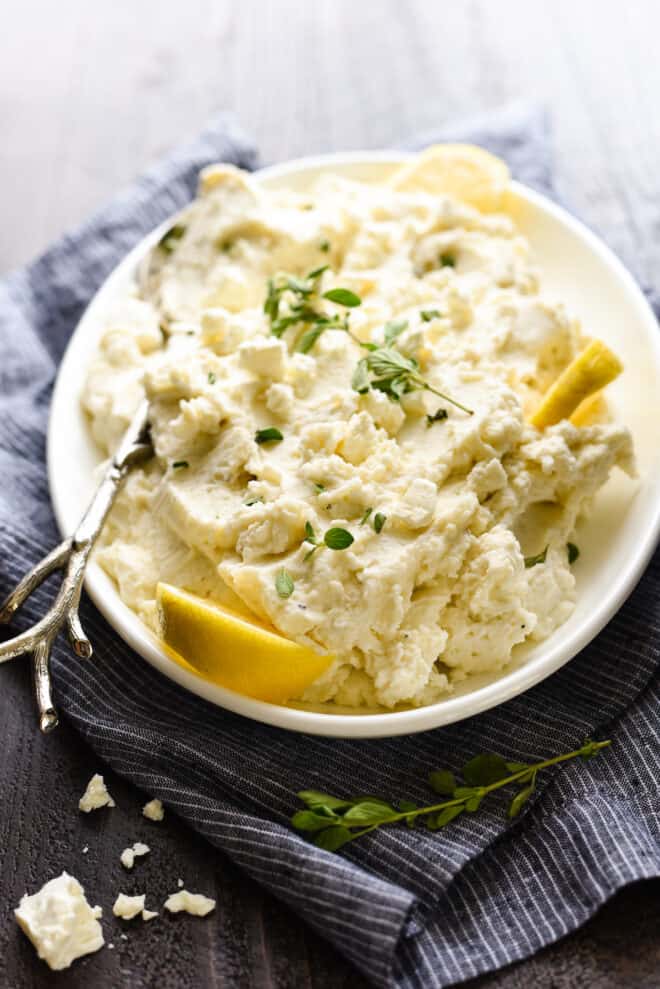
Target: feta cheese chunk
264, 356
128, 856
60, 922
96, 795
128, 907
193, 903
154, 810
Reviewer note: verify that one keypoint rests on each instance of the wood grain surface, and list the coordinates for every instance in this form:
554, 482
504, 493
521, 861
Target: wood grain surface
90, 93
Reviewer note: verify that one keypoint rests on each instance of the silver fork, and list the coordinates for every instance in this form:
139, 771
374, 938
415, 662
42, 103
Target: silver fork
71, 556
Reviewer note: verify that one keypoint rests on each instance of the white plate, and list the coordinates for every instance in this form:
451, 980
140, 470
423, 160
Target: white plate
615, 543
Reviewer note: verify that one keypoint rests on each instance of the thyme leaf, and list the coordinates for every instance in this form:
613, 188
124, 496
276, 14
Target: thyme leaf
269, 435
171, 238
532, 561
343, 297
337, 538
284, 583
437, 416
379, 522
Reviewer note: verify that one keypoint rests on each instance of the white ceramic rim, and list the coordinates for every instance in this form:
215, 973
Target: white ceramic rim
387, 724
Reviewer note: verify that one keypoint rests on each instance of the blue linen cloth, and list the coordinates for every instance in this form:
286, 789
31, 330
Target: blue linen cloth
410, 908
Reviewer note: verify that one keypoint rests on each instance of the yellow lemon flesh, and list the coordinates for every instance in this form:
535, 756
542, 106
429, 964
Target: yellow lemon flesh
591, 370
234, 652
462, 171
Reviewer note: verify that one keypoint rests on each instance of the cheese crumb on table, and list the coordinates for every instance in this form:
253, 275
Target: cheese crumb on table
128, 907
96, 795
154, 810
192, 903
59, 922
179, 883
128, 856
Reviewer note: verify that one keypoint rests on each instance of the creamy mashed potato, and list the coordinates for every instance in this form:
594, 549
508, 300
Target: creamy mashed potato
445, 508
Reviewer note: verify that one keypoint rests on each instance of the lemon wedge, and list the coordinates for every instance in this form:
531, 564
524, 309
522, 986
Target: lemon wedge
228, 649
462, 171
591, 370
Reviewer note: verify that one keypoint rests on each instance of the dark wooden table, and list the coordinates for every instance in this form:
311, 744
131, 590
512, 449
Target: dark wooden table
88, 94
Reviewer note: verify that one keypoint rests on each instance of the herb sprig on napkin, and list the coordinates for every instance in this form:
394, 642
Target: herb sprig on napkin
332, 822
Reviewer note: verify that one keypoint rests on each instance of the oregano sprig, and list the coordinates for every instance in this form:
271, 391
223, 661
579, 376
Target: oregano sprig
300, 297
332, 822
389, 371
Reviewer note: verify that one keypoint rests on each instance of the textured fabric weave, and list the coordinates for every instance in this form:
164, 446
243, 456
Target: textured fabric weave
409, 908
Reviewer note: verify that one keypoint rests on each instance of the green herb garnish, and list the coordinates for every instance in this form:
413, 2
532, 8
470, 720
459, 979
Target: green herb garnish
366, 515
573, 552
324, 246
343, 297
212, 378
310, 537
269, 435
531, 561
300, 299
436, 417
393, 329
447, 260
379, 522
332, 822
334, 538
429, 314
171, 238
284, 583
253, 501
337, 538
318, 488
180, 463
390, 372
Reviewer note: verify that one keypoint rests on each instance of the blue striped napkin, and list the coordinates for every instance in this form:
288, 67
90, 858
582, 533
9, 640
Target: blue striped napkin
409, 908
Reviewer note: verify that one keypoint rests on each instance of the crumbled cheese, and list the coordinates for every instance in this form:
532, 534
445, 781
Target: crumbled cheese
193, 903
128, 907
180, 883
149, 914
60, 922
154, 810
96, 795
128, 856
433, 589
85, 850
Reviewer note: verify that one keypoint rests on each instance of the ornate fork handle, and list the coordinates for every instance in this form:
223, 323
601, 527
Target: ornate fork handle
71, 556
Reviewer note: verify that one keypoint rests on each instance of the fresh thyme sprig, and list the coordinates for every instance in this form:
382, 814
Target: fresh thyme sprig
389, 371
332, 821
300, 297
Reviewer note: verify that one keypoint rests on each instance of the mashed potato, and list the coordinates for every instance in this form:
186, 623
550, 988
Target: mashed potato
268, 435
